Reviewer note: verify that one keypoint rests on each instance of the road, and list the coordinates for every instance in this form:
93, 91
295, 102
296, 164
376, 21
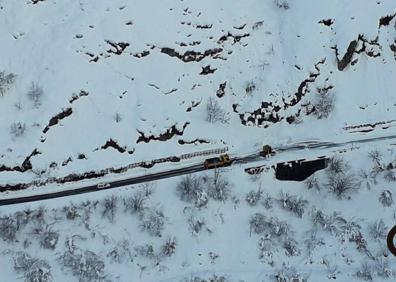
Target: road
188, 169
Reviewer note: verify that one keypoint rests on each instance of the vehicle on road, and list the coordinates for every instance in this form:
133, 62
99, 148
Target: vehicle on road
103, 185
267, 151
220, 161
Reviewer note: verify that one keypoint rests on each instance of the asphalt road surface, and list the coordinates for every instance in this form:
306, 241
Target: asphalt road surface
187, 170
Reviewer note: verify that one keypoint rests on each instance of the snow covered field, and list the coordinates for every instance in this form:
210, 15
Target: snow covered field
89, 85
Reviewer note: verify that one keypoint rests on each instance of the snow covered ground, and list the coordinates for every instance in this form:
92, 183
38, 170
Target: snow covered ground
89, 85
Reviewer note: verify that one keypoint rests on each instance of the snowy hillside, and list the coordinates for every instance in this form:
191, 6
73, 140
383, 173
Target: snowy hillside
88, 88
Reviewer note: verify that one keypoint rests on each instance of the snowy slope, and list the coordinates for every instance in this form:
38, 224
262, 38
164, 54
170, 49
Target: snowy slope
141, 74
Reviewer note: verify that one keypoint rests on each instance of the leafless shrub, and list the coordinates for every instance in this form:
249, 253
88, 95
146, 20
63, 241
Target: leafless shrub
8, 229
18, 106
109, 206
71, 212
291, 247
169, 247
289, 274
213, 278
337, 165
17, 129
195, 224
146, 251
378, 230
219, 188
329, 223
375, 156
136, 203
292, 203
153, 220
48, 238
282, 4
120, 252
324, 105
312, 182
117, 117
262, 225
266, 246
313, 241
386, 198
383, 269
367, 178
6, 80
35, 94
214, 113
342, 185
253, 197
250, 87
390, 176
365, 272
33, 270
267, 201
352, 231
190, 189
87, 266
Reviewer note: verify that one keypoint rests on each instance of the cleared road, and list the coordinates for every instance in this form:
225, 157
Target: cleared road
186, 170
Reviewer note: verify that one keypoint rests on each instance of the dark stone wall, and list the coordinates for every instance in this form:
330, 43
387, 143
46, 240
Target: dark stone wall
299, 170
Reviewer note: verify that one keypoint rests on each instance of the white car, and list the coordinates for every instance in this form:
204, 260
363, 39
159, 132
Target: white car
103, 185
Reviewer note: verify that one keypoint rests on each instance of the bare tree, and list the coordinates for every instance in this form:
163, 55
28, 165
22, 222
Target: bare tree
8, 229
18, 129
117, 117
190, 189
109, 205
33, 270
219, 188
214, 113
35, 94
169, 247
153, 221
135, 203
6, 80
289, 274
365, 272
342, 185
378, 230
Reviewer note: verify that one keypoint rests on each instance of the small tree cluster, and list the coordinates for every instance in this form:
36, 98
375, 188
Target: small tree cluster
312, 182
213, 278
214, 113
324, 103
48, 238
292, 203
153, 221
289, 274
87, 266
329, 223
6, 80
270, 227
33, 270
267, 201
195, 224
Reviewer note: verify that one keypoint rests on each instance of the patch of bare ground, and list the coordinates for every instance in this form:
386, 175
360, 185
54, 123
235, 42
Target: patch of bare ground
235, 38
221, 90
75, 97
168, 134
195, 141
191, 56
326, 22
55, 120
268, 113
114, 144
117, 47
26, 164
385, 21
207, 70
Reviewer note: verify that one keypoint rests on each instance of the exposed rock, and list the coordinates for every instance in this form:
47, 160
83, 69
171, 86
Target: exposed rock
164, 136
191, 56
53, 121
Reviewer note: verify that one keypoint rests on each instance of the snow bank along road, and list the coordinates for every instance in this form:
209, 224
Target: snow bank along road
190, 169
